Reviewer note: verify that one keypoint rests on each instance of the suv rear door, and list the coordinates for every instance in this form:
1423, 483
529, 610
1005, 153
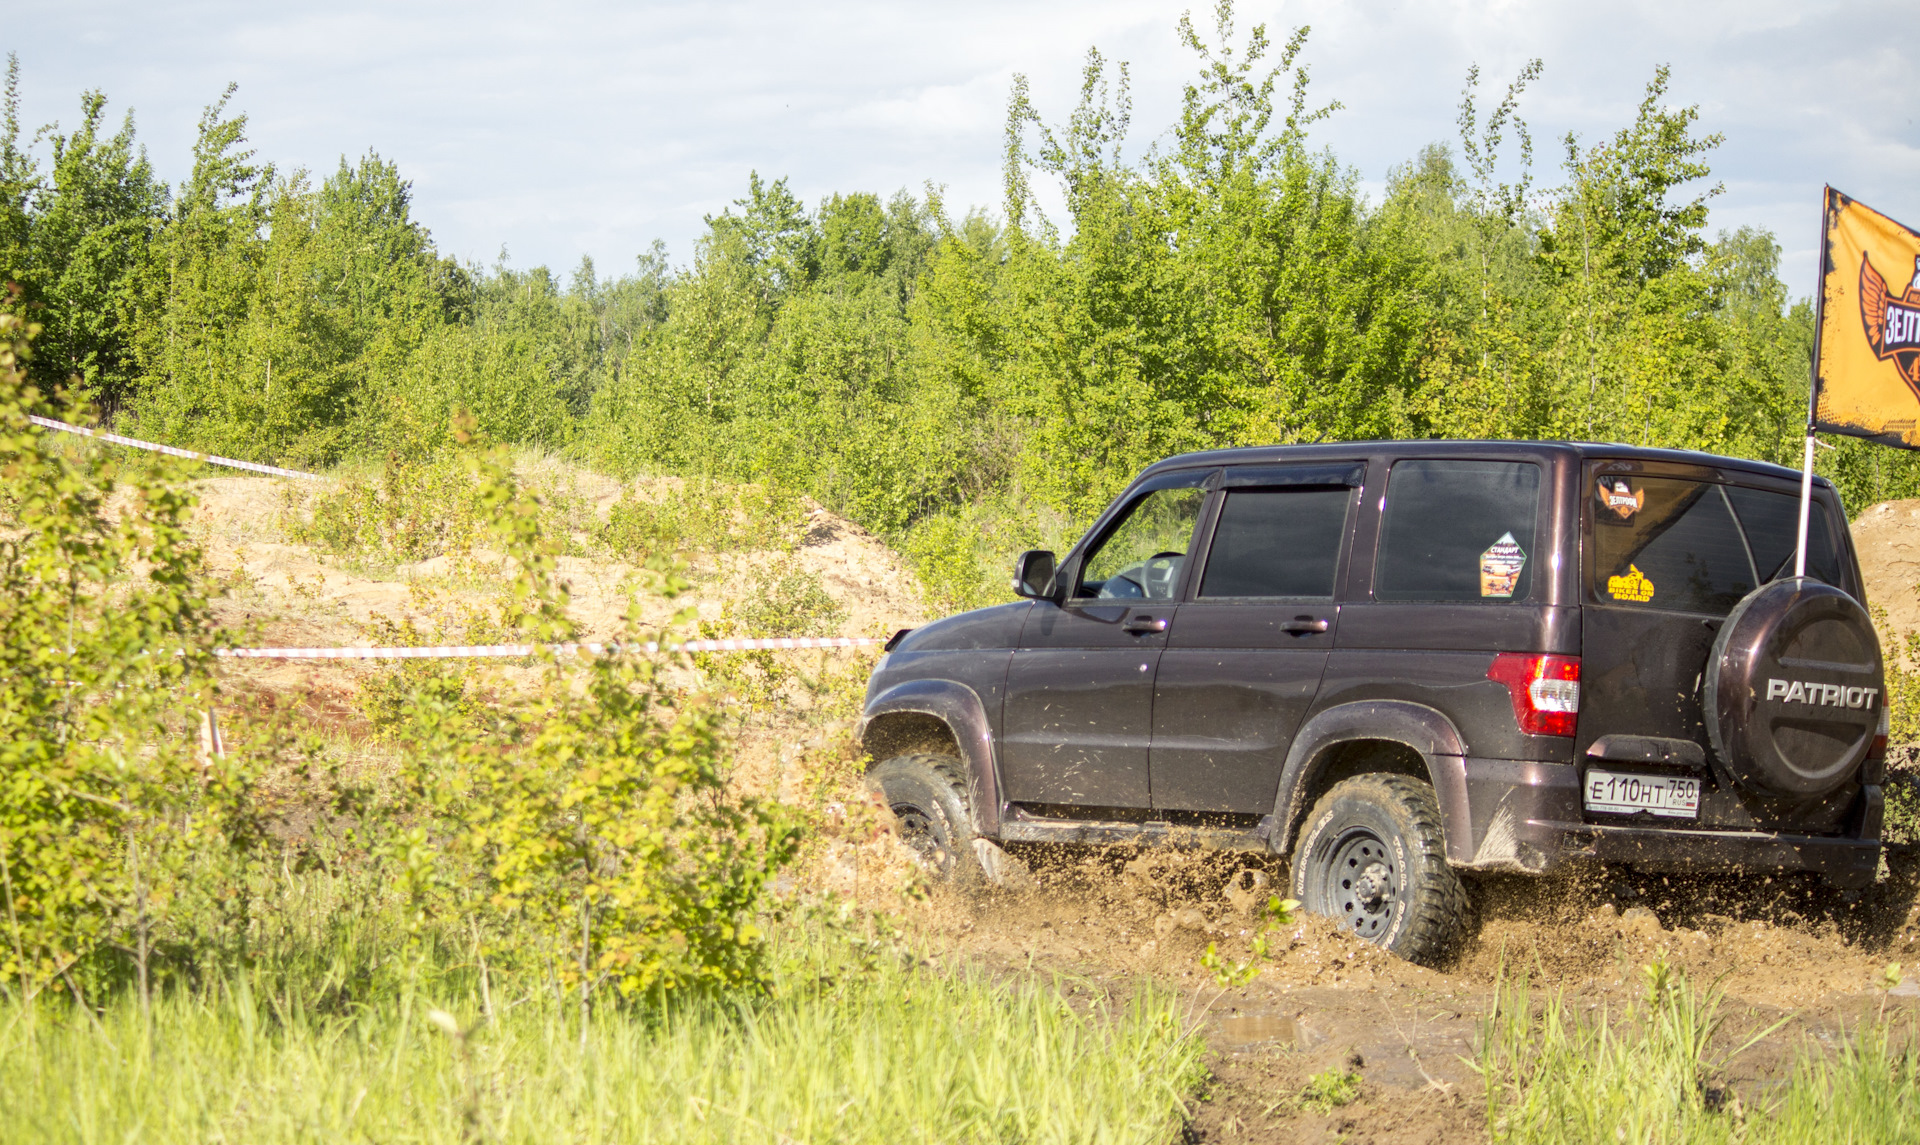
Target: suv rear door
1246, 651
1670, 550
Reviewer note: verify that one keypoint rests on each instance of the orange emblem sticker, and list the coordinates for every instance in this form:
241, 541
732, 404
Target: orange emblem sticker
1619, 497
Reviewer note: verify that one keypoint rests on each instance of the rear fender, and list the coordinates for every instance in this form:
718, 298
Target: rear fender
1423, 729
898, 719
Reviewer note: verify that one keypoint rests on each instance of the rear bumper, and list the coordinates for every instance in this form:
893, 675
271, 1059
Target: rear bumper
1841, 861
1509, 815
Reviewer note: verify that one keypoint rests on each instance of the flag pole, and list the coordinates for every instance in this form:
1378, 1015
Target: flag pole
1813, 382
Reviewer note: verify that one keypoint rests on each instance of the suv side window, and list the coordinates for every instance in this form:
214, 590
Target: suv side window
1276, 543
1142, 554
1458, 530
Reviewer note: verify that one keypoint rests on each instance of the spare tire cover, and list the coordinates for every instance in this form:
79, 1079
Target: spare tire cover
1794, 688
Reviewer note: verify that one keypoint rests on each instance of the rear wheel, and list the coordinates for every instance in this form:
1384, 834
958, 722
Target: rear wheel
928, 796
1372, 856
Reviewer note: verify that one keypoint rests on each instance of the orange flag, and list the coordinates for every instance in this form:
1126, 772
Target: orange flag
1867, 344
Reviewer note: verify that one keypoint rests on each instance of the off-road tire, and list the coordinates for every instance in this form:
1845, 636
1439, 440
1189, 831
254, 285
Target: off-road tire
1371, 854
927, 794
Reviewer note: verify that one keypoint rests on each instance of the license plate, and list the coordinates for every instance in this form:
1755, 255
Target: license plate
1614, 793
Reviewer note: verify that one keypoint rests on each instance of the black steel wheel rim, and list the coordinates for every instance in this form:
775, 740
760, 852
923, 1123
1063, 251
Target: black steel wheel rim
1363, 883
918, 831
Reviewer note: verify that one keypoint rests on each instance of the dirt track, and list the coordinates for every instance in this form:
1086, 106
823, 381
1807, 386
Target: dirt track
1327, 1001
1323, 999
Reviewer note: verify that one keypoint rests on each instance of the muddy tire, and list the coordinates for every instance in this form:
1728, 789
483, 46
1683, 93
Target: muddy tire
928, 795
1372, 856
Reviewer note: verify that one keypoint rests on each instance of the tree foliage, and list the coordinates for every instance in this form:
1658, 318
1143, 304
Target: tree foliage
967, 385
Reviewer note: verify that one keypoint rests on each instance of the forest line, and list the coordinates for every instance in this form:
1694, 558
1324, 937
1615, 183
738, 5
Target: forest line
964, 384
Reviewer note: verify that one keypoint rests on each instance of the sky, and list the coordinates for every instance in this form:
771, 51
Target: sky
576, 127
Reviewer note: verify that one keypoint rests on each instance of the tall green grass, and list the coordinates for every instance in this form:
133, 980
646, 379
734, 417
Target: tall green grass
1657, 1073
859, 1042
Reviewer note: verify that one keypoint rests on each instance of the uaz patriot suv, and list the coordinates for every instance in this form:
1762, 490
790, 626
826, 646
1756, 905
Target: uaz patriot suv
1397, 661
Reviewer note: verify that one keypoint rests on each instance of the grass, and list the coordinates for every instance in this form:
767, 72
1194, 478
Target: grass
1329, 1090
859, 1042
1657, 1074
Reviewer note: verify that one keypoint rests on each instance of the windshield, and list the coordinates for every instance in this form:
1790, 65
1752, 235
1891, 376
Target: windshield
1695, 546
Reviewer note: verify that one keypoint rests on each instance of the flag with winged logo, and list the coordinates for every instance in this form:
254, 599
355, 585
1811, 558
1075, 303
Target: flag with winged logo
1867, 343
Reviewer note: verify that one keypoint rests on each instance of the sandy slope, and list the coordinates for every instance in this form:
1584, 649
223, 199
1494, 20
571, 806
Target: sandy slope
1887, 537
302, 598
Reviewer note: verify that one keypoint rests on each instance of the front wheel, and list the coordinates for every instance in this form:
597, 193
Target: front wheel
928, 796
1372, 856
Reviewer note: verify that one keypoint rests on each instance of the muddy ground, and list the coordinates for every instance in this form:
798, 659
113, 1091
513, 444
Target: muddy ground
1780, 948
1789, 950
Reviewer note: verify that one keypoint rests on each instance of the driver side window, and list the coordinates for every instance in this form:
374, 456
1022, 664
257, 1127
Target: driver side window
1142, 557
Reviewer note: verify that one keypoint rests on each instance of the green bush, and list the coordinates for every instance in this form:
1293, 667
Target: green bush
584, 831
1330, 1089
419, 506
1902, 654
781, 600
105, 805
773, 600
701, 516
964, 557
415, 509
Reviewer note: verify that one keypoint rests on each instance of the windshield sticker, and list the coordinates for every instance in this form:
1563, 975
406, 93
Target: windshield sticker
1500, 567
1634, 586
1618, 495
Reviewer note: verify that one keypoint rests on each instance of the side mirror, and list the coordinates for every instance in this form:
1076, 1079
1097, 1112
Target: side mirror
1033, 574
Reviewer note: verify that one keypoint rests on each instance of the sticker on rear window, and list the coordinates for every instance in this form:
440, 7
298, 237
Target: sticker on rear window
1619, 497
1500, 567
1634, 586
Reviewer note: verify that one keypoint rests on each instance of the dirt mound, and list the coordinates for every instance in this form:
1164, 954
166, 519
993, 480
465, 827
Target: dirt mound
1887, 537
300, 598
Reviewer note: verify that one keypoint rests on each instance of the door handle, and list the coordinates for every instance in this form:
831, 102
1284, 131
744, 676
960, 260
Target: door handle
1301, 625
1140, 625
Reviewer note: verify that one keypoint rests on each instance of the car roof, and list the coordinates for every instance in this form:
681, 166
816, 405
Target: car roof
1348, 450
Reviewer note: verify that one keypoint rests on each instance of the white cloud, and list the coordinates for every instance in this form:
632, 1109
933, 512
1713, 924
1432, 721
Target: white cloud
593, 127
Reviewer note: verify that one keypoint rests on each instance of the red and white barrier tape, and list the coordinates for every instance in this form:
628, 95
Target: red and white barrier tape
513, 651
172, 451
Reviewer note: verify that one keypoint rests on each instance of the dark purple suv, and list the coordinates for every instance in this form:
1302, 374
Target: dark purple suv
1397, 661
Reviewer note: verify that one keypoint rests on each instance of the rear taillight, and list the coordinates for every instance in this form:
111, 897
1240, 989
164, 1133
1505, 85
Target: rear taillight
1545, 690
1874, 768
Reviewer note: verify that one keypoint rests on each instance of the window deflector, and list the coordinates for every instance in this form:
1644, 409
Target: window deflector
1348, 473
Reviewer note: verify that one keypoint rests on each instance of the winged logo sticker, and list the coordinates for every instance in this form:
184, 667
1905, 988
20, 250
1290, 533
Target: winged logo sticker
1892, 321
1618, 495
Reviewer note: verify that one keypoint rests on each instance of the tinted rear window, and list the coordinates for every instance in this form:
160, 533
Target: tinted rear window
1276, 542
1693, 546
1458, 530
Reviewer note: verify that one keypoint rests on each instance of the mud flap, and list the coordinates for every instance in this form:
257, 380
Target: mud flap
1002, 870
